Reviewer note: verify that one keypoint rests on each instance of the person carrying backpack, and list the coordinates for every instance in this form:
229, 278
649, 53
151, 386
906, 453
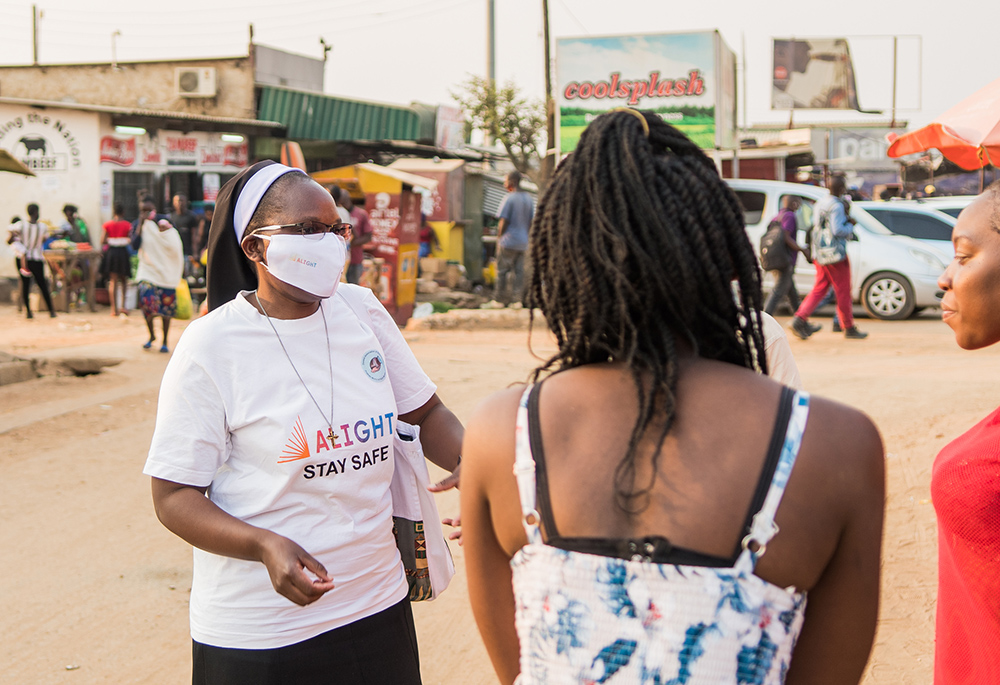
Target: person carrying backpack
832, 227
779, 252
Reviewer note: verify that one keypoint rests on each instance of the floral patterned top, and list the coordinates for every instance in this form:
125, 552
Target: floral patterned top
584, 618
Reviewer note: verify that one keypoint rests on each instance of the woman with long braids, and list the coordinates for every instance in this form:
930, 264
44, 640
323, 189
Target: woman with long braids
622, 513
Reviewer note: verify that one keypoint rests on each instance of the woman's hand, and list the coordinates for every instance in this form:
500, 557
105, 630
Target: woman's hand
455, 523
448, 482
185, 511
289, 567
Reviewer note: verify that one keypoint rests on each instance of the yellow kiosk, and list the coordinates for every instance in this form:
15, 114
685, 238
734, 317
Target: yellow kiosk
394, 210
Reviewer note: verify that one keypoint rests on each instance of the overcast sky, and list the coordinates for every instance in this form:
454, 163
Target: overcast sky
404, 50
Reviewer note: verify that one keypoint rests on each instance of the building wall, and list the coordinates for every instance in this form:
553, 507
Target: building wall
287, 70
767, 168
140, 85
62, 147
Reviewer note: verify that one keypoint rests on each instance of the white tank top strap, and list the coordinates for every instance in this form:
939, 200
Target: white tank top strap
763, 527
524, 471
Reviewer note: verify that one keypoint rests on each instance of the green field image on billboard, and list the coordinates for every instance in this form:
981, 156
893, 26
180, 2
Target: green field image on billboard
697, 123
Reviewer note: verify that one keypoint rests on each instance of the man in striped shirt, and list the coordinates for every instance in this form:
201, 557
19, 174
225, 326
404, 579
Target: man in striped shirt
31, 234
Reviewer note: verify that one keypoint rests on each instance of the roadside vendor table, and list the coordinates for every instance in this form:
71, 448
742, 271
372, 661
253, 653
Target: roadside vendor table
63, 263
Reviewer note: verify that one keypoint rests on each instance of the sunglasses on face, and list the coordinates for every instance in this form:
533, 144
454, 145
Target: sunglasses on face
314, 230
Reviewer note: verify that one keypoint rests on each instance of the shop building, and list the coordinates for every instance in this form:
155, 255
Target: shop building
96, 134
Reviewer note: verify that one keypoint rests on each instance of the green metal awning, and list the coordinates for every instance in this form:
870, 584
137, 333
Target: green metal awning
313, 116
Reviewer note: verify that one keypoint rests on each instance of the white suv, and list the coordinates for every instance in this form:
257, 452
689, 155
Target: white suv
893, 276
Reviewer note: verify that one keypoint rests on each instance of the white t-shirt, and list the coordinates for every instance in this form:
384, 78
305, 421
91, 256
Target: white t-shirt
233, 416
780, 362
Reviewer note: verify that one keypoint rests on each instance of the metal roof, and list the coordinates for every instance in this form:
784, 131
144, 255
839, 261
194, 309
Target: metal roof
419, 164
133, 112
311, 116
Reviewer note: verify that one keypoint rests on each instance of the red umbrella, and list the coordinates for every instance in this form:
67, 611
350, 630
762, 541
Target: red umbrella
968, 134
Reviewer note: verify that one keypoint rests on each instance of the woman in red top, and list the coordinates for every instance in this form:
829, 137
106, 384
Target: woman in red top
965, 484
117, 258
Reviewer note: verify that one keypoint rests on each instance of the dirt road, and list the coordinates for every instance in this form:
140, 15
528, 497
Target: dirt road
95, 590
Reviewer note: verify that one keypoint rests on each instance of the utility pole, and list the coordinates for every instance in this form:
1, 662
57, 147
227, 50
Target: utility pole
895, 61
114, 49
548, 162
34, 34
491, 59
491, 48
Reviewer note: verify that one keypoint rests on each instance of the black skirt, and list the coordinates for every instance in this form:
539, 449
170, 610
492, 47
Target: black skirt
118, 261
378, 650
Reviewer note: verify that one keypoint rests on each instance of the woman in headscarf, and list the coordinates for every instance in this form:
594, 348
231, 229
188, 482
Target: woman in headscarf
160, 269
271, 407
656, 509
965, 483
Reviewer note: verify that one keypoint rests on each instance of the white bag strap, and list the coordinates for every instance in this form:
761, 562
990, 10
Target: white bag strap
524, 471
411, 479
354, 302
763, 527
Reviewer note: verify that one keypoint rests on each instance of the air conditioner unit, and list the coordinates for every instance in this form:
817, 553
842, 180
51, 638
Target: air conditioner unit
195, 82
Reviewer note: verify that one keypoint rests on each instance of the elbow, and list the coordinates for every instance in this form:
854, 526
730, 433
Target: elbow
160, 506
169, 501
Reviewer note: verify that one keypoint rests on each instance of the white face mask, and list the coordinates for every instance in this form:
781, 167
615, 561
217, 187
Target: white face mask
305, 262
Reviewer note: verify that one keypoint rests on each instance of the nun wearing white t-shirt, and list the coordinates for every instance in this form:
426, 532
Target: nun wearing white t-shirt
272, 453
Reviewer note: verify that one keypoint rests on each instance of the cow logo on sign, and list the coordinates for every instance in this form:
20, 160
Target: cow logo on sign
41, 142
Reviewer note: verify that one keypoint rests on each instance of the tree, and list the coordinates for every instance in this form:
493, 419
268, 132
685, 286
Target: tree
508, 117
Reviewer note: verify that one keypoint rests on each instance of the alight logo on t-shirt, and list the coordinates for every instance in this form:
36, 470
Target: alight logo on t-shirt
354, 434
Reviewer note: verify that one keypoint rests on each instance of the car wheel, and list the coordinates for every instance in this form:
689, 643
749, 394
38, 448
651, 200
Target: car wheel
888, 296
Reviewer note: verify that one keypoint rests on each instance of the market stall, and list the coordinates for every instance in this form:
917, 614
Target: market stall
393, 206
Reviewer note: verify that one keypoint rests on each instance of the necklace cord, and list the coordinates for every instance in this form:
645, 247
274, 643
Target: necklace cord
329, 360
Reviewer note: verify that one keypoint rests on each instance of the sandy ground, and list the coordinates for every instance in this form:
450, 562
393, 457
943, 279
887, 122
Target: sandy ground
95, 591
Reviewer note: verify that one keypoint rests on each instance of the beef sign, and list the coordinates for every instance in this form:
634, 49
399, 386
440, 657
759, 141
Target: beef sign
41, 142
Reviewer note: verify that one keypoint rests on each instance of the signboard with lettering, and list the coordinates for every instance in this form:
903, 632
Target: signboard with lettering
814, 73
42, 141
678, 75
182, 151
855, 148
63, 148
118, 151
196, 150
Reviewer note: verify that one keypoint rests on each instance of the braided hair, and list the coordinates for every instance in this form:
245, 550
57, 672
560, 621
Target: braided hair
638, 245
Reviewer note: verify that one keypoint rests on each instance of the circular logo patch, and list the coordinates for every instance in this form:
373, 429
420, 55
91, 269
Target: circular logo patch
374, 365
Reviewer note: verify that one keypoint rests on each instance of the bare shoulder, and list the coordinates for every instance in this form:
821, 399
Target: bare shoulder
843, 426
843, 447
489, 432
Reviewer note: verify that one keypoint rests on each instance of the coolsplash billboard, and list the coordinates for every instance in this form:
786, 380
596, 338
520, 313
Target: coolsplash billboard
689, 79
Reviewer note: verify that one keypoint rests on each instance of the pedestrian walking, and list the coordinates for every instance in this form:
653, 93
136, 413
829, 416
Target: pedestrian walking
832, 228
30, 237
161, 266
784, 277
515, 213
117, 262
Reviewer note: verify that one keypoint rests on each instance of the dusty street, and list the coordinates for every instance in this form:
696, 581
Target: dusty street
95, 590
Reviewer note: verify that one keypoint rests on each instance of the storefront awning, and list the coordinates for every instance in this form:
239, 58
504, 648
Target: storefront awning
311, 116
165, 119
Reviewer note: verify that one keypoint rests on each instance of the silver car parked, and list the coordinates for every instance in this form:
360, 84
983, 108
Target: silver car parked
893, 276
